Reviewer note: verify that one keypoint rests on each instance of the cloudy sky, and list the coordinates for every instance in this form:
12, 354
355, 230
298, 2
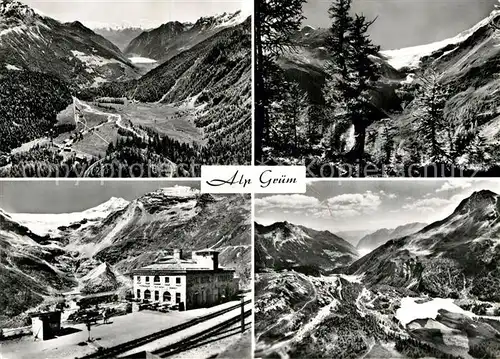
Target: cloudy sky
368, 205
402, 23
145, 13
73, 196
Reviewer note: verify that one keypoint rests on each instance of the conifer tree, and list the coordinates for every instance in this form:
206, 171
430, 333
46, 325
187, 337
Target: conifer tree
275, 23
431, 101
351, 73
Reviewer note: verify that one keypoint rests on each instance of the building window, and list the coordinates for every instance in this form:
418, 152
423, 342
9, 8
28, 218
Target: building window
177, 298
167, 297
167, 280
157, 279
178, 280
138, 294
147, 294
157, 296
139, 279
147, 279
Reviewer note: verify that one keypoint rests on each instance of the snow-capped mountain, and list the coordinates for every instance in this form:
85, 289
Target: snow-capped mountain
120, 36
285, 245
465, 246
50, 224
467, 63
68, 50
429, 294
383, 235
172, 38
109, 240
411, 56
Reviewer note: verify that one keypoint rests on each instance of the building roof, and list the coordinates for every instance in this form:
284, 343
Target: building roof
176, 265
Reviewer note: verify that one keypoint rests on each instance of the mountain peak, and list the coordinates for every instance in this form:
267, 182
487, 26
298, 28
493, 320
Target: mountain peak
478, 201
16, 10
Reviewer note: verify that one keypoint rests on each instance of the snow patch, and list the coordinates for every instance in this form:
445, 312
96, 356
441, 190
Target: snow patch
410, 310
44, 224
142, 60
411, 56
12, 68
180, 191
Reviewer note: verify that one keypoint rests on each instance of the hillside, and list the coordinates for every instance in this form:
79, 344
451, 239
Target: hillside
381, 236
464, 245
285, 245
465, 65
67, 50
101, 245
174, 37
433, 293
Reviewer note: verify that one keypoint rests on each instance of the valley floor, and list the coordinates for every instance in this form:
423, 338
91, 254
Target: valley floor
99, 125
299, 315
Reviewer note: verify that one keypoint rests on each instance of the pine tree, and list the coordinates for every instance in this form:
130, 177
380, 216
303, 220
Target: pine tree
431, 100
351, 73
275, 23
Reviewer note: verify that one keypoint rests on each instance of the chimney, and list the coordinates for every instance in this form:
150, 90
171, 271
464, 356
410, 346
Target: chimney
207, 259
177, 253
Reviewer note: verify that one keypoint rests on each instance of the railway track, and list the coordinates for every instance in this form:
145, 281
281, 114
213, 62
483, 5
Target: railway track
113, 352
217, 332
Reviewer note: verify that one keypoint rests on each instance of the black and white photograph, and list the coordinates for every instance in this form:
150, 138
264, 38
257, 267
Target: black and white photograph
379, 269
143, 88
124, 269
375, 88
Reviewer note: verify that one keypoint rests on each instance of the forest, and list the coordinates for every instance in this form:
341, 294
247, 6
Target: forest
29, 104
355, 115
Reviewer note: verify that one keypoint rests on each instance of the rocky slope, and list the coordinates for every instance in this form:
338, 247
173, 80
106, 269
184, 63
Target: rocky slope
213, 77
174, 37
285, 245
467, 62
67, 50
381, 236
32, 268
455, 257
95, 252
100, 279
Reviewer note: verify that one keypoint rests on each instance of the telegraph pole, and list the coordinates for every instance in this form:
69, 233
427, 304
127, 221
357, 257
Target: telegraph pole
242, 313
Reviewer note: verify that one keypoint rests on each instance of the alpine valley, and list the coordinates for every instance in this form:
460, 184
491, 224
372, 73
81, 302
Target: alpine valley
45, 255
74, 102
432, 292
464, 67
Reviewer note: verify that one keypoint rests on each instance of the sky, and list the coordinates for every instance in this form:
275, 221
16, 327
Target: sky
404, 23
358, 205
144, 13
74, 196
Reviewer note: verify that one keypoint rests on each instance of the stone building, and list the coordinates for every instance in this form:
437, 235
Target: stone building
191, 283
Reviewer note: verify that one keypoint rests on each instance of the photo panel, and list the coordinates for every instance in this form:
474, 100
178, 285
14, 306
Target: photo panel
378, 88
379, 269
120, 89
124, 269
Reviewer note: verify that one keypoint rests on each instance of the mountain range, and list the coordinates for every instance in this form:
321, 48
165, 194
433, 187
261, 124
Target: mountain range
198, 90
66, 50
285, 245
430, 293
467, 63
42, 257
174, 37
381, 236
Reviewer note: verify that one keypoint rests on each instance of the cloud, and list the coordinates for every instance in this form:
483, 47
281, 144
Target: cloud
292, 201
456, 184
428, 204
352, 204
